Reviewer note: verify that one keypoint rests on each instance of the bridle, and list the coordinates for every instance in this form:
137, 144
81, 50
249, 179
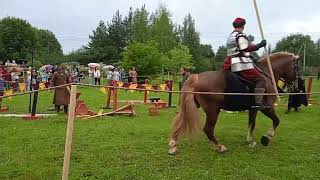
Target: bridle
292, 85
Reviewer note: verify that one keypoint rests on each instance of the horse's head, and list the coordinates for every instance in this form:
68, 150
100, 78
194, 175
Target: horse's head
285, 65
291, 73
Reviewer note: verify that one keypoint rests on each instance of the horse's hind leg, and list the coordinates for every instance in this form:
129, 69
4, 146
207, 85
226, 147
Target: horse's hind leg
212, 116
251, 125
275, 123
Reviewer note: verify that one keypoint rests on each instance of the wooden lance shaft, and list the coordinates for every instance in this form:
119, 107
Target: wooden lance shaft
68, 145
265, 48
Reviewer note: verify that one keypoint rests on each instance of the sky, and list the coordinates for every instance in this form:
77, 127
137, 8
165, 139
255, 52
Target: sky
72, 21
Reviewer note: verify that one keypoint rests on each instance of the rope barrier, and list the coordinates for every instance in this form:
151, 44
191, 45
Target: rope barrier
164, 91
39, 90
193, 92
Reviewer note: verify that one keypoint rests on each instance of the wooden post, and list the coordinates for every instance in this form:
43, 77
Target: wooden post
67, 150
265, 48
109, 95
310, 79
115, 95
145, 96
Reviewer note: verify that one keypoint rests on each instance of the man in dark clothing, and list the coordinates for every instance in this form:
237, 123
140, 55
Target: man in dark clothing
295, 101
61, 94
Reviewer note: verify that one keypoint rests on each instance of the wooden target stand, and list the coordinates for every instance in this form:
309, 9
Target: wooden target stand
124, 110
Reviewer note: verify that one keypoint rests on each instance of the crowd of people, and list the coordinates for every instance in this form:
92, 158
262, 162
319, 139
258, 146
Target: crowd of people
16, 77
12, 75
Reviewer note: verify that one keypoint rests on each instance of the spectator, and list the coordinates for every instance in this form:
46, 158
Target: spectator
29, 79
295, 101
116, 75
81, 76
15, 78
13, 63
8, 63
122, 75
110, 76
133, 75
61, 94
2, 85
96, 75
91, 78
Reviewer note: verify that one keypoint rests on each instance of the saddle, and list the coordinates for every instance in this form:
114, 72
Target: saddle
234, 83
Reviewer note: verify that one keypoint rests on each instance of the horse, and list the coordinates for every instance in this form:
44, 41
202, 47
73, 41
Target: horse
285, 66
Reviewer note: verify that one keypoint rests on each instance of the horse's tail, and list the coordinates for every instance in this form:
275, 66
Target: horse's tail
187, 119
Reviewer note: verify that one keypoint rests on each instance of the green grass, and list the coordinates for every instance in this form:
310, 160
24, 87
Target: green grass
136, 147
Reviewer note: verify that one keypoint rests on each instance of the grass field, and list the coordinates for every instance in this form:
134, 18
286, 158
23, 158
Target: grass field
136, 147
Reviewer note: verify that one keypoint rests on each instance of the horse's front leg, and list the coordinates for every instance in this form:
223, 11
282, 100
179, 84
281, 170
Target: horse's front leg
275, 123
251, 125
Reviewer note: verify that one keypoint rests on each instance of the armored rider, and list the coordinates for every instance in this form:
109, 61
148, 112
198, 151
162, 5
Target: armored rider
239, 60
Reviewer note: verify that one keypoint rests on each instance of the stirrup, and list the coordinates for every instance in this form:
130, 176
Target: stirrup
261, 106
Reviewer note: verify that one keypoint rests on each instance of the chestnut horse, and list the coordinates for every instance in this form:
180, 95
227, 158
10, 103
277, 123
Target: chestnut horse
284, 66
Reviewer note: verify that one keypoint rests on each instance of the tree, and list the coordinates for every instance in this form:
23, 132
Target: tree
146, 57
101, 47
221, 55
191, 38
178, 57
49, 49
207, 58
17, 38
140, 26
117, 33
162, 30
128, 26
295, 42
81, 55
318, 44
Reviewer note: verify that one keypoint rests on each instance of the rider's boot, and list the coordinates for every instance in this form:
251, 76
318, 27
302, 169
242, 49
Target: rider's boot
259, 99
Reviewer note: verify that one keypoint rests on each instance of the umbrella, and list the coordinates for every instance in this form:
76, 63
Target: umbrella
46, 68
94, 65
108, 67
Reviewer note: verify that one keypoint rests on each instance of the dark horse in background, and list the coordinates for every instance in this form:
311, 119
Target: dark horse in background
284, 66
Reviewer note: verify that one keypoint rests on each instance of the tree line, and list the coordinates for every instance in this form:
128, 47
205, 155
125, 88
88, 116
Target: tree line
19, 40
149, 41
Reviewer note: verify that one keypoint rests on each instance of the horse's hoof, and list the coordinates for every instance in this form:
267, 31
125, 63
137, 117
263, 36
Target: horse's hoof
252, 144
265, 140
172, 151
221, 149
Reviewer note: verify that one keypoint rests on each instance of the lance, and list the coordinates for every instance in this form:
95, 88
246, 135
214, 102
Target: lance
265, 48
